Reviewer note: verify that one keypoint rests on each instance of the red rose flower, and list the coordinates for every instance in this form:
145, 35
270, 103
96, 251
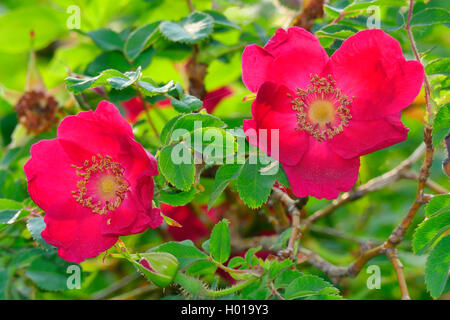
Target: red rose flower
94, 182
213, 98
133, 108
329, 111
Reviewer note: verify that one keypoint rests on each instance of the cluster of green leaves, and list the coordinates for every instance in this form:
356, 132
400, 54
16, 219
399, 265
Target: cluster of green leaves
258, 278
40, 263
432, 235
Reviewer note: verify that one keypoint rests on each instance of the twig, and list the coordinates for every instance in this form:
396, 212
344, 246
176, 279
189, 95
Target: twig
409, 174
392, 254
293, 209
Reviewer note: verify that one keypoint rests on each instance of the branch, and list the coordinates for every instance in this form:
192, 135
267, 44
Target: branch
293, 208
392, 254
409, 174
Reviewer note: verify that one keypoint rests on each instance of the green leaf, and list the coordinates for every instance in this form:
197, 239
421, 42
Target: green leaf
336, 31
430, 16
185, 251
181, 175
439, 66
187, 103
201, 267
307, 285
9, 211
253, 187
167, 129
429, 231
77, 85
106, 39
440, 203
219, 243
126, 80
362, 6
286, 277
440, 124
176, 197
194, 28
224, 175
36, 225
220, 19
47, 274
437, 267
192, 121
215, 144
150, 89
140, 39
4, 279
278, 267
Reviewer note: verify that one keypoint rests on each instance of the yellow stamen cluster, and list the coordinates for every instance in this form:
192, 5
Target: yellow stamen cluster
114, 186
322, 93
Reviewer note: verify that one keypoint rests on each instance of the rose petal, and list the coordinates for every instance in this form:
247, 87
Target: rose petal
321, 173
370, 66
363, 137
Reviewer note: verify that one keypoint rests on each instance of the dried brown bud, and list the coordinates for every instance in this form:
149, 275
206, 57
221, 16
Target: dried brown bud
37, 111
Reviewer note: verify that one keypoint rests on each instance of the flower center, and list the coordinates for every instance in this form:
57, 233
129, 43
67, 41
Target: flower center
322, 110
103, 187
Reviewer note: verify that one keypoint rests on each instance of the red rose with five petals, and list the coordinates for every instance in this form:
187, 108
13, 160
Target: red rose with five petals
329, 110
94, 182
